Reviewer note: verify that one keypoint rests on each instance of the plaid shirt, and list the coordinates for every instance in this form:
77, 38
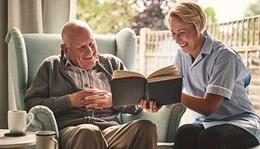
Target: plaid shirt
90, 78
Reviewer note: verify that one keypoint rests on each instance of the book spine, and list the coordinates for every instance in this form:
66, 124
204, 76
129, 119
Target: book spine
146, 90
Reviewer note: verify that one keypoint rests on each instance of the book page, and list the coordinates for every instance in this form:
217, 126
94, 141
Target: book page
166, 71
125, 74
162, 78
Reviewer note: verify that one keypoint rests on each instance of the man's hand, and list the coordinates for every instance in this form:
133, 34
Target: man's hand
151, 106
77, 99
97, 99
91, 98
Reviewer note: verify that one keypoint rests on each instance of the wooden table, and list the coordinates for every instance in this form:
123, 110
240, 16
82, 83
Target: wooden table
16, 142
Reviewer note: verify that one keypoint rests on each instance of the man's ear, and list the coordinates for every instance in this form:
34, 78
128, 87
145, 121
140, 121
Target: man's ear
63, 47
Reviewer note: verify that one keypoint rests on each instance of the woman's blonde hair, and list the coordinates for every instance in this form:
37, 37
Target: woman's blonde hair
189, 12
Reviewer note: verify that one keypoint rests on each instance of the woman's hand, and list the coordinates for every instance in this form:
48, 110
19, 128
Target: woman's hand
149, 106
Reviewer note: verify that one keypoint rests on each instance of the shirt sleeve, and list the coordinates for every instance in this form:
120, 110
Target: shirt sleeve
223, 74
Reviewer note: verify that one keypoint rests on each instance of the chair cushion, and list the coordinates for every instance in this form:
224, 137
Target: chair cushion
106, 44
125, 41
166, 119
37, 50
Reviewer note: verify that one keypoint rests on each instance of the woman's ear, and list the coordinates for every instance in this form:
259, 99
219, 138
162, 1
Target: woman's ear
63, 47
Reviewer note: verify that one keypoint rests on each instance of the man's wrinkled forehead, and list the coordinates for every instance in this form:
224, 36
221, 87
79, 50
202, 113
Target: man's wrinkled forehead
75, 27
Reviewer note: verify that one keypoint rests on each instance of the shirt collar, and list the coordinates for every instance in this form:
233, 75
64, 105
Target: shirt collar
206, 49
67, 62
68, 65
208, 44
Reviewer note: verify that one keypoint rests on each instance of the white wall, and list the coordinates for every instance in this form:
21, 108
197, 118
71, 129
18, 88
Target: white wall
3, 65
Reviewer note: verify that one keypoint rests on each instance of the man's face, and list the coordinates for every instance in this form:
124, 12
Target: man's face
81, 49
185, 35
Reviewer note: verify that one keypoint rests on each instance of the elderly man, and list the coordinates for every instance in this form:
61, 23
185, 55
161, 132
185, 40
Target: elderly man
76, 87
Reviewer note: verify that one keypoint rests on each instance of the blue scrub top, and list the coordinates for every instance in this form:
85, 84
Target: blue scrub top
220, 70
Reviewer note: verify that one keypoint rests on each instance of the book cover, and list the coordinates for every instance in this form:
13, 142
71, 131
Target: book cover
164, 86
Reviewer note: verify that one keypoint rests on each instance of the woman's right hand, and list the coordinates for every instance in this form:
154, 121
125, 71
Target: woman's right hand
149, 106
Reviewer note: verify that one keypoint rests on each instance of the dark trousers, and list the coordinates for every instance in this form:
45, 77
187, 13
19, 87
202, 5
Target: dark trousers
225, 136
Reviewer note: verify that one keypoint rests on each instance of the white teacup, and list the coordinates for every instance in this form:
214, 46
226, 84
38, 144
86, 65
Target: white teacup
19, 120
46, 140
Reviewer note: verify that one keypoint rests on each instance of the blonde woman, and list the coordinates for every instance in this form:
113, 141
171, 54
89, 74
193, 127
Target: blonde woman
215, 80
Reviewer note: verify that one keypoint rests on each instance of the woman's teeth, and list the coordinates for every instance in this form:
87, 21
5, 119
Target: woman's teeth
182, 45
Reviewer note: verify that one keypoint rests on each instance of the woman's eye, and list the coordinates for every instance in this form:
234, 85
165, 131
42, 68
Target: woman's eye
173, 35
182, 33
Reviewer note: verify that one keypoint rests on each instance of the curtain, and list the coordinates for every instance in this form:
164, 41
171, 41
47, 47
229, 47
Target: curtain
40, 16
3, 65
30, 16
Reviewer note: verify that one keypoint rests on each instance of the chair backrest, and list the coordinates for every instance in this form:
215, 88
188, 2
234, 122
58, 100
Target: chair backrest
27, 51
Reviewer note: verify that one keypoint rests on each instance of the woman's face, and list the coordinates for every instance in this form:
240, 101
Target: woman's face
186, 36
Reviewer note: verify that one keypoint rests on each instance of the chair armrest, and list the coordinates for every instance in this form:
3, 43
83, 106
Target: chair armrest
43, 120
17, 68
177, 111
126, 46
167, 120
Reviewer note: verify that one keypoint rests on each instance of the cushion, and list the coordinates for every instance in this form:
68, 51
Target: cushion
166, 119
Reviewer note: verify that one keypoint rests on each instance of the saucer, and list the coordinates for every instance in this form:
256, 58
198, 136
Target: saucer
16, 134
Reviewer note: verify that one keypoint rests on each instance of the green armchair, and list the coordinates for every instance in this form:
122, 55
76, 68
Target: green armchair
27, 51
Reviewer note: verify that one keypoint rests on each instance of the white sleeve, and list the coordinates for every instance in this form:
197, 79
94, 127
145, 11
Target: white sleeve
223, 74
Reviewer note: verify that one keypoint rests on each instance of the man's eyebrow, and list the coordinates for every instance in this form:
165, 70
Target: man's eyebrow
80, 46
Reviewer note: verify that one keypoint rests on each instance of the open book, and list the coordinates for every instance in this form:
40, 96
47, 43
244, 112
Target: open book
164, 86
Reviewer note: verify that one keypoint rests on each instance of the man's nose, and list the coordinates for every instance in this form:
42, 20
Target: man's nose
88, 51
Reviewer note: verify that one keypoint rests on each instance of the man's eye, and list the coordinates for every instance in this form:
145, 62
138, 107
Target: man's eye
92, 45
80, 48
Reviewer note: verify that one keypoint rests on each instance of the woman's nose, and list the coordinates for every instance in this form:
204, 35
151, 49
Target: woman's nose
177, 39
